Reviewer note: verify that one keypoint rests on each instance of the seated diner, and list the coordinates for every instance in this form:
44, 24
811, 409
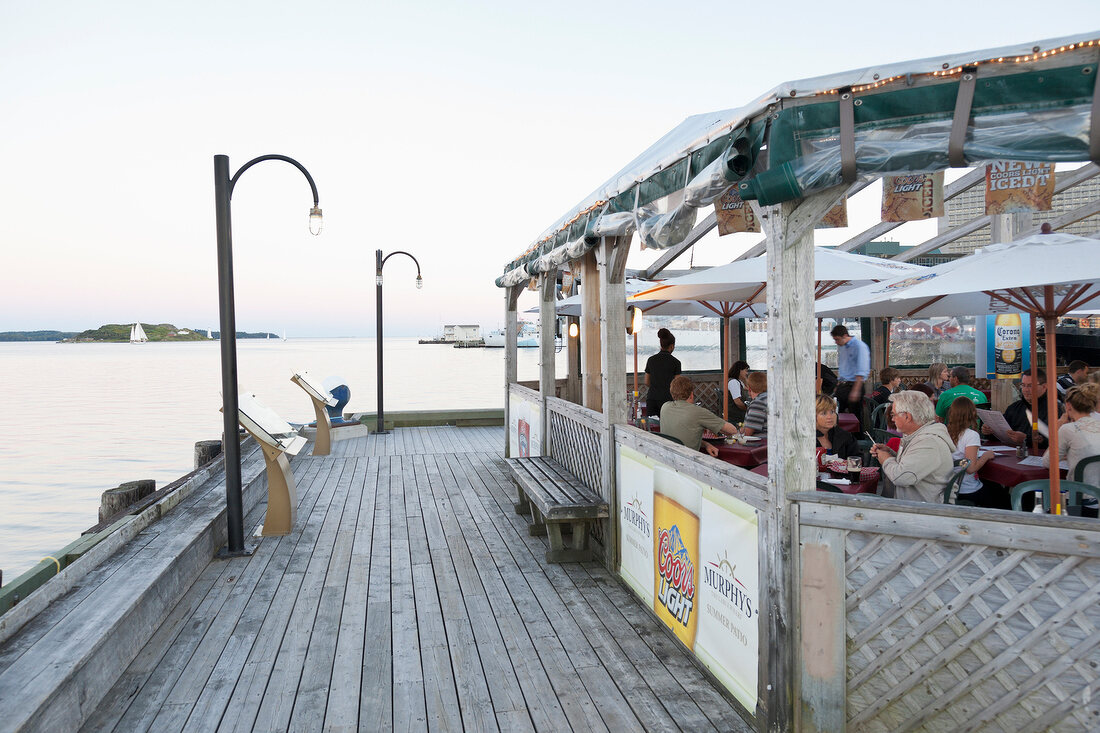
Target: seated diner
960, 387
830, 436
756, 417
1079, 434
891, 383
962, 423
684, 420
922, 465
1018, 414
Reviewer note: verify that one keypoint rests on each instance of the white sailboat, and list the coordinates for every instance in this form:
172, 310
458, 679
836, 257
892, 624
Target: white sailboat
137, 334
284, 334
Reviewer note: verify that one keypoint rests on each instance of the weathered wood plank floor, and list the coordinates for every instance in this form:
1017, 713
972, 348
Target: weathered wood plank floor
409, 596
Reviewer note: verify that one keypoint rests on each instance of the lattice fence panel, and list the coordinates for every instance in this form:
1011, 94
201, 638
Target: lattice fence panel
951, 637
577, 447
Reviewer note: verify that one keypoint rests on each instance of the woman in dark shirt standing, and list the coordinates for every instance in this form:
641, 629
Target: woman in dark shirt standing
833, 438
659, 371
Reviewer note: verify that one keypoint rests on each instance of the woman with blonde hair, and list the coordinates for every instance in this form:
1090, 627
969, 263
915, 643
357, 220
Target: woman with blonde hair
939, 379
1079, 437
962, 421
830, 436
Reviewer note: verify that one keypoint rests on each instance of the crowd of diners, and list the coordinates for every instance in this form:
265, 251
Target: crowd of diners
935, 423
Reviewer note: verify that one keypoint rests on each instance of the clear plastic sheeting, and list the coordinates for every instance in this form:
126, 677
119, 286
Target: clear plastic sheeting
618, 224
662, 231
1057, 135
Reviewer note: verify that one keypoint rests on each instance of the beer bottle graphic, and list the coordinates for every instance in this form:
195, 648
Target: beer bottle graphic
676, 505
1008, 346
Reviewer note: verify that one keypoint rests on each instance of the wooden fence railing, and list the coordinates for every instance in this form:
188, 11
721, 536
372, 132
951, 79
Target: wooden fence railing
925, 617
576, 441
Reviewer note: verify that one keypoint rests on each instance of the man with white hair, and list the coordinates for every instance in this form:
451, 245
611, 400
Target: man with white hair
923, 465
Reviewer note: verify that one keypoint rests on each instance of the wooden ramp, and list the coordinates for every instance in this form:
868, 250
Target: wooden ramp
409, 596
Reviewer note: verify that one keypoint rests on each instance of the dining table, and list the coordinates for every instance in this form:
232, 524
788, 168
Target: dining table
1005, 469
749, 455
868, 484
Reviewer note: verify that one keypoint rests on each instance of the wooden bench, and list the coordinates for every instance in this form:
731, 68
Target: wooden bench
554, 496
276, 438
321, 398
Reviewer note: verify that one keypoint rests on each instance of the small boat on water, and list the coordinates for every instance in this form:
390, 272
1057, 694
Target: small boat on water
137, 334
528, 336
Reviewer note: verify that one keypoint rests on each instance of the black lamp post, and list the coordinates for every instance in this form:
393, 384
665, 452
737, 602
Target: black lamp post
223, 192
380, 262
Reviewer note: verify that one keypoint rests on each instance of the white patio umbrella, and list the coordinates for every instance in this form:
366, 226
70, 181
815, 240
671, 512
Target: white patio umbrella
1046, 275
745, 281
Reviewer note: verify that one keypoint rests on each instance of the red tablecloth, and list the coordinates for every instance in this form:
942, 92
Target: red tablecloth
1005, 469
848, 421
746, 456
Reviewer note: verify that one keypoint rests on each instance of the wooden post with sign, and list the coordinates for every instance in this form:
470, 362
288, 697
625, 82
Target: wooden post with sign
611, 255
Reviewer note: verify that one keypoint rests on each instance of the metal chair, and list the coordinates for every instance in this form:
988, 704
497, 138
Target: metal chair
956, 480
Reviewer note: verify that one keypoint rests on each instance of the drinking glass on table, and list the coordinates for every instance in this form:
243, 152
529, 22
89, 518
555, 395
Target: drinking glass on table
855, 468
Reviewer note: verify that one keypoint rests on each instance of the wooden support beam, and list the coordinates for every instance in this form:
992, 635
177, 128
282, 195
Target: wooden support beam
547, 316
511, 356
592, 397
791, 437
611, 255
573, 356
820, 641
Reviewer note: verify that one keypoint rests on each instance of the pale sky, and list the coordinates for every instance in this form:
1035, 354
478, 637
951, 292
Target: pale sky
456, 131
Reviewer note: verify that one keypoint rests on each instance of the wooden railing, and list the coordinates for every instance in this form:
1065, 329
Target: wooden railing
928, 617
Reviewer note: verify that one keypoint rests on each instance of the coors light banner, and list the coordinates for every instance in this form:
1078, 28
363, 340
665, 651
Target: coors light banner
912, 197
1013, 187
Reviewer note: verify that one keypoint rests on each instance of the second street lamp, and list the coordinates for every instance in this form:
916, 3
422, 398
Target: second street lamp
380, 262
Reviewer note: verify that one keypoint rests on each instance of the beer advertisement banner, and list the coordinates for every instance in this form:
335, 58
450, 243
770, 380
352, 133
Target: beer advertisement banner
567, 283
1014, 187
1007, 346
734, 215
912, 197
691, 551
525, 430
835, 217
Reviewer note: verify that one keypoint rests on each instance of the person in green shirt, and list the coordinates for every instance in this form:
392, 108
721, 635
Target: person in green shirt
684, 420
960, 387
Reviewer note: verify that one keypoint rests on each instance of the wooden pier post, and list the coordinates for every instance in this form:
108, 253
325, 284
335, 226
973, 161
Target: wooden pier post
611, 256
592, 398
547, 316
206, 451
511, 364
791, 436
114, 501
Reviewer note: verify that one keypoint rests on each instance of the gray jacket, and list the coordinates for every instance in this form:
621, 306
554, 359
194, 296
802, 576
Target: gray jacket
923, 465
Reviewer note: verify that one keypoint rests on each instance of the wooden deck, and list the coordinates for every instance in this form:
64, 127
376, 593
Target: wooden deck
409, 596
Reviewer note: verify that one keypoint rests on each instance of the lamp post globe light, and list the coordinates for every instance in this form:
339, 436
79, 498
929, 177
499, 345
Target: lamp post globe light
223, 193
380, 262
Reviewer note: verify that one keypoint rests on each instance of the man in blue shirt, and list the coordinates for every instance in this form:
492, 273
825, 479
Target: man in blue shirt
853, 358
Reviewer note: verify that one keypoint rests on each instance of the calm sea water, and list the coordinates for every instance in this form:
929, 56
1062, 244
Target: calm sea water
78, 419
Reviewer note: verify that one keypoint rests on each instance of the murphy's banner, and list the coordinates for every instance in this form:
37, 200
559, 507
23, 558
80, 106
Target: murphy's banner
734, 215
691, 551
1013, 187
912, 197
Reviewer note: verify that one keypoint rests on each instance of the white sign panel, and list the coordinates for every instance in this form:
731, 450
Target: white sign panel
525, 430
691, 551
